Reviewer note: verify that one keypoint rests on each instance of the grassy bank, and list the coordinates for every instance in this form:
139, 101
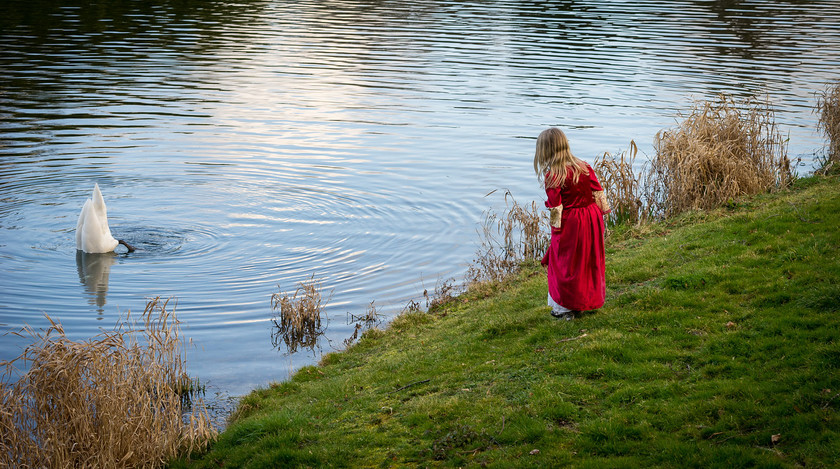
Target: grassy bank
719, 346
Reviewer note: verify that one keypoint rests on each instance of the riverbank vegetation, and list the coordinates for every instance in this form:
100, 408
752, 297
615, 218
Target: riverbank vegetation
121, 399
717, 345
721, 150
518, 234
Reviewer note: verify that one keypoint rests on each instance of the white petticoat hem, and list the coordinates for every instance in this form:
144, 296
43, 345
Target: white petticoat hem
556, 307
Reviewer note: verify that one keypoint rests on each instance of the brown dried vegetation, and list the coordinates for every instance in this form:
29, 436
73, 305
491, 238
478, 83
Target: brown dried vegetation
518, 234
720, 151
369, 320
622, 186
115, 400
828, 107
445, 291
297, 316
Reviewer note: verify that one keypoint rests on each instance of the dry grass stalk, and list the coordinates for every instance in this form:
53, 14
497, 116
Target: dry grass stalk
413, 306
720, 151
519, 234
445, 291
112, 401
298, 316
370, 319
828, 106
623, 187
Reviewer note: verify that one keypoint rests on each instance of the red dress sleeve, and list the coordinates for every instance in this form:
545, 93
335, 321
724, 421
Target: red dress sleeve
553, 193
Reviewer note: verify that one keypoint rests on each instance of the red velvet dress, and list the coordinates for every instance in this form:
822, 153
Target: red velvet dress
575, 257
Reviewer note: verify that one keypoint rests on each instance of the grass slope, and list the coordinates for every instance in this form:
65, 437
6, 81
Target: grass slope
718, 346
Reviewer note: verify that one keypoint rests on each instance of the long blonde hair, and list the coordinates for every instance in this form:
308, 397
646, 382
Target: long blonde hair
554, 156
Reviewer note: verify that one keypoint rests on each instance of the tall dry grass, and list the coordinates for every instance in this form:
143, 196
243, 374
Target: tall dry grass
297, 316
828, 107
112, 401
721, 150
622, 185
518, 234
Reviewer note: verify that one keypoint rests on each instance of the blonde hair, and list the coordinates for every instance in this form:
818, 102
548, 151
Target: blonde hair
554, 157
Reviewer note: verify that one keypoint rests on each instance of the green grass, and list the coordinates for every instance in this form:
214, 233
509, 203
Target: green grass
720, 331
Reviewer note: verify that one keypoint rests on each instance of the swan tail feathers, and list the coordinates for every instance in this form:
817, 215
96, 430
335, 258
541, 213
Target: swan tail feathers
92, 232
80, 224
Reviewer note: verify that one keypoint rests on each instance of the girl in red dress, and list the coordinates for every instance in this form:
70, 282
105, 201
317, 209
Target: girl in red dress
577, 205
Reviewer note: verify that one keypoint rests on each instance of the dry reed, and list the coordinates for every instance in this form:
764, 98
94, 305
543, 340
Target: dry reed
720, 151
298, 321
518, 234
445, 291
112, 401
828, 106
413, 306
370, 319
622, 185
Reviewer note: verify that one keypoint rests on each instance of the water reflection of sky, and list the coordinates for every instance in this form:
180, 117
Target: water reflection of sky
244, 147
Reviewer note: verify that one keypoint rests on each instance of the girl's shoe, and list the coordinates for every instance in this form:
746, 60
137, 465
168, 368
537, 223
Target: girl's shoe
567, 315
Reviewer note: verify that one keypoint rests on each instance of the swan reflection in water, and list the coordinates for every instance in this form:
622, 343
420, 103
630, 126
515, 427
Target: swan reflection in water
94, 269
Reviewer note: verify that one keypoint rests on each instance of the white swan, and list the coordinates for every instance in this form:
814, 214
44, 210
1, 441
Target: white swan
92, 232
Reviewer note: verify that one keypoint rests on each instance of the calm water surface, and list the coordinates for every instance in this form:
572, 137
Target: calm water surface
243, 147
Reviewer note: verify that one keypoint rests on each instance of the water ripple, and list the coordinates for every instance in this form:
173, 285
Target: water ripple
243, 147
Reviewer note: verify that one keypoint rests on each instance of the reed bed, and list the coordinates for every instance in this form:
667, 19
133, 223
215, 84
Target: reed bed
518, 234
113, 401
297, 316
828, 107
723, 149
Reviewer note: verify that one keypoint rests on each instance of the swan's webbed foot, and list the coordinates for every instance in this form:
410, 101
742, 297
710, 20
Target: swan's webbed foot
130, 247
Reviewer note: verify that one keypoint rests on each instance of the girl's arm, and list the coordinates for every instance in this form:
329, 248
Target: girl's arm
598, 192
602, 202
555, 216
554, 205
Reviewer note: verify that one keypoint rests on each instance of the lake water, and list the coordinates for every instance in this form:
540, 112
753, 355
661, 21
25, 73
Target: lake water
244, 147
